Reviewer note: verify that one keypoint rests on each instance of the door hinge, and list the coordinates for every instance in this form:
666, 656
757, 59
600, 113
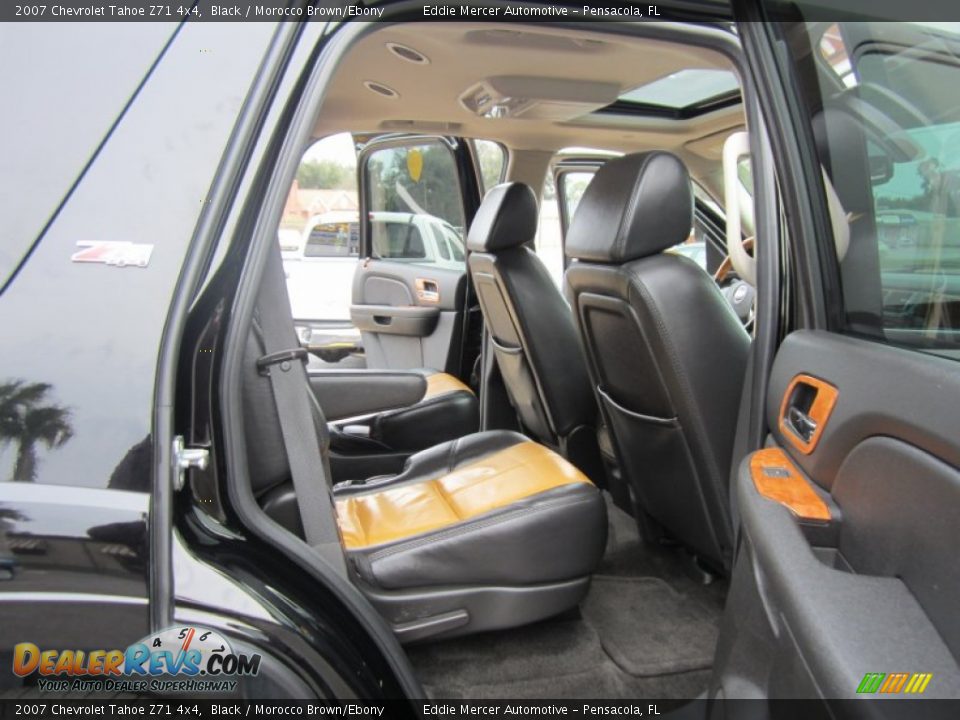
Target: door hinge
185, 458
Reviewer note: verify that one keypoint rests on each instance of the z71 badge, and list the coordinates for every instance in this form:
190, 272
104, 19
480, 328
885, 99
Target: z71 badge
119, 254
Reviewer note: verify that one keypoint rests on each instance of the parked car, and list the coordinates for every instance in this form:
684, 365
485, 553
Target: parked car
320, 275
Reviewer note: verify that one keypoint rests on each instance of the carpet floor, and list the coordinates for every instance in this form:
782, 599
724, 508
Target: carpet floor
647, 628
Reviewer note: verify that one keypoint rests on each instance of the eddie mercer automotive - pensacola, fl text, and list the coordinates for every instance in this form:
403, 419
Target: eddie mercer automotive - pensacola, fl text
509, 11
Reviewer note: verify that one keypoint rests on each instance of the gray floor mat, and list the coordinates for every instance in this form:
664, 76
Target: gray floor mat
559, 659
648, 628
549, 649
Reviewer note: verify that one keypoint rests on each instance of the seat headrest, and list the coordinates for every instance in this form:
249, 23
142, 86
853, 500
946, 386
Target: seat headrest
635, 206
507, 217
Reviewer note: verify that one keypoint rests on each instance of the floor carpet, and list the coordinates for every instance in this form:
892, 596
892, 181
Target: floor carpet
646, 629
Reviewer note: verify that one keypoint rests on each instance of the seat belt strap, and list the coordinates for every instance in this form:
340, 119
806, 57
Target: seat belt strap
288, 380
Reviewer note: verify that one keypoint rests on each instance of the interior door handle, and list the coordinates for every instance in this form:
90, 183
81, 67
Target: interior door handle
807, 405
802, 423
427, 290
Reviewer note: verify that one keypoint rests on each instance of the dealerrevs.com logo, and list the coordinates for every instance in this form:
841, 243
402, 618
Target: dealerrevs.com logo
179, 659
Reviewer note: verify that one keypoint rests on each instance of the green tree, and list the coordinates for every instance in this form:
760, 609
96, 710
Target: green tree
491, 157
28, 423
326, 175
437, 191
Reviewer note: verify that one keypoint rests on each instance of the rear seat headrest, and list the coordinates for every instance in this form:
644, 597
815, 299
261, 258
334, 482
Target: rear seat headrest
635, 206
507, 218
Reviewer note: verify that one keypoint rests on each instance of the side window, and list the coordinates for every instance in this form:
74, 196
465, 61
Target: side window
397, 240
573, 185
455, 241
442, 246
889, 137
319, 232
492, 158
415, 205
332, 239
557, 206
549, 239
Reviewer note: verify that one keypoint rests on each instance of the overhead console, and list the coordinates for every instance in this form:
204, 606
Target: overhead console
537, 98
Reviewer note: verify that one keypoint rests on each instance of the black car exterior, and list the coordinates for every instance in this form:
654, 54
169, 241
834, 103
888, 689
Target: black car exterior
160, 115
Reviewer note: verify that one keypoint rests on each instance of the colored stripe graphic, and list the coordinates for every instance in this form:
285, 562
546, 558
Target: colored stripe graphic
893, 683
871, 682
918, 683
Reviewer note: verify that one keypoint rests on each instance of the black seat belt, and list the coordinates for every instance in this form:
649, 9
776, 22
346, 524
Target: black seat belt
284, 365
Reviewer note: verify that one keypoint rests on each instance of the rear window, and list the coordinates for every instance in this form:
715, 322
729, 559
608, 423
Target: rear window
333, 240
397, 240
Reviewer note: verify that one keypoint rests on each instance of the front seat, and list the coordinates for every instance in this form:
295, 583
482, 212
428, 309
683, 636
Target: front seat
487, 531
666, 352
531, 328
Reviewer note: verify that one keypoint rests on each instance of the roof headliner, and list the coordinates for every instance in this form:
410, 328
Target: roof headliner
462, 54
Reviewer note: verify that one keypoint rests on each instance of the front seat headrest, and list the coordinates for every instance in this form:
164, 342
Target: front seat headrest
635, 206
507, 217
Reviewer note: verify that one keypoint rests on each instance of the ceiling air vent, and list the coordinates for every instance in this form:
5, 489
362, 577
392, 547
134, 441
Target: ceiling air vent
405, 52
381, 89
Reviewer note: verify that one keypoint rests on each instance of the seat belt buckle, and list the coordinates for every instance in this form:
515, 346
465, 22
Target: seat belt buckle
284, 359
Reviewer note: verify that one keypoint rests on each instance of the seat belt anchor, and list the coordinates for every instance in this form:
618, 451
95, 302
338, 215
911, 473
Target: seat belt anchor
283, 358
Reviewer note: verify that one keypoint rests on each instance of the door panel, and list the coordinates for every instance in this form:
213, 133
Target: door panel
409, 292
846, 583
409, 316
875, 588
406, 320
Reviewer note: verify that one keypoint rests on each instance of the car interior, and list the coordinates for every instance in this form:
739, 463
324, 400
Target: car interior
508, 500
537, 484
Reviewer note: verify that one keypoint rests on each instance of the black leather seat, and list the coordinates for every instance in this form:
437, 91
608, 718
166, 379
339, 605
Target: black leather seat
448, 409
531, 328
487, 531
666, 352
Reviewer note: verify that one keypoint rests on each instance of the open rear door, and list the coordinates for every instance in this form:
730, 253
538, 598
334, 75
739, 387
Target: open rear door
417, 195
846, 583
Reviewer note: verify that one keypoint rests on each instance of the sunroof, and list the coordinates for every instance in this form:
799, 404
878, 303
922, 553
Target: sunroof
684, 89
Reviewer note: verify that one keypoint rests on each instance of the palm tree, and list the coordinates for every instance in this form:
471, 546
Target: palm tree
28, 423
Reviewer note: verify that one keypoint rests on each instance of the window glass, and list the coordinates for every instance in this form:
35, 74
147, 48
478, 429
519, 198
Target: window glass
685, 88
455, 241
319, 232
492, 158
414, 200
549, 239
442, 245
887, 126
397, 239
574, 185
327, 239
